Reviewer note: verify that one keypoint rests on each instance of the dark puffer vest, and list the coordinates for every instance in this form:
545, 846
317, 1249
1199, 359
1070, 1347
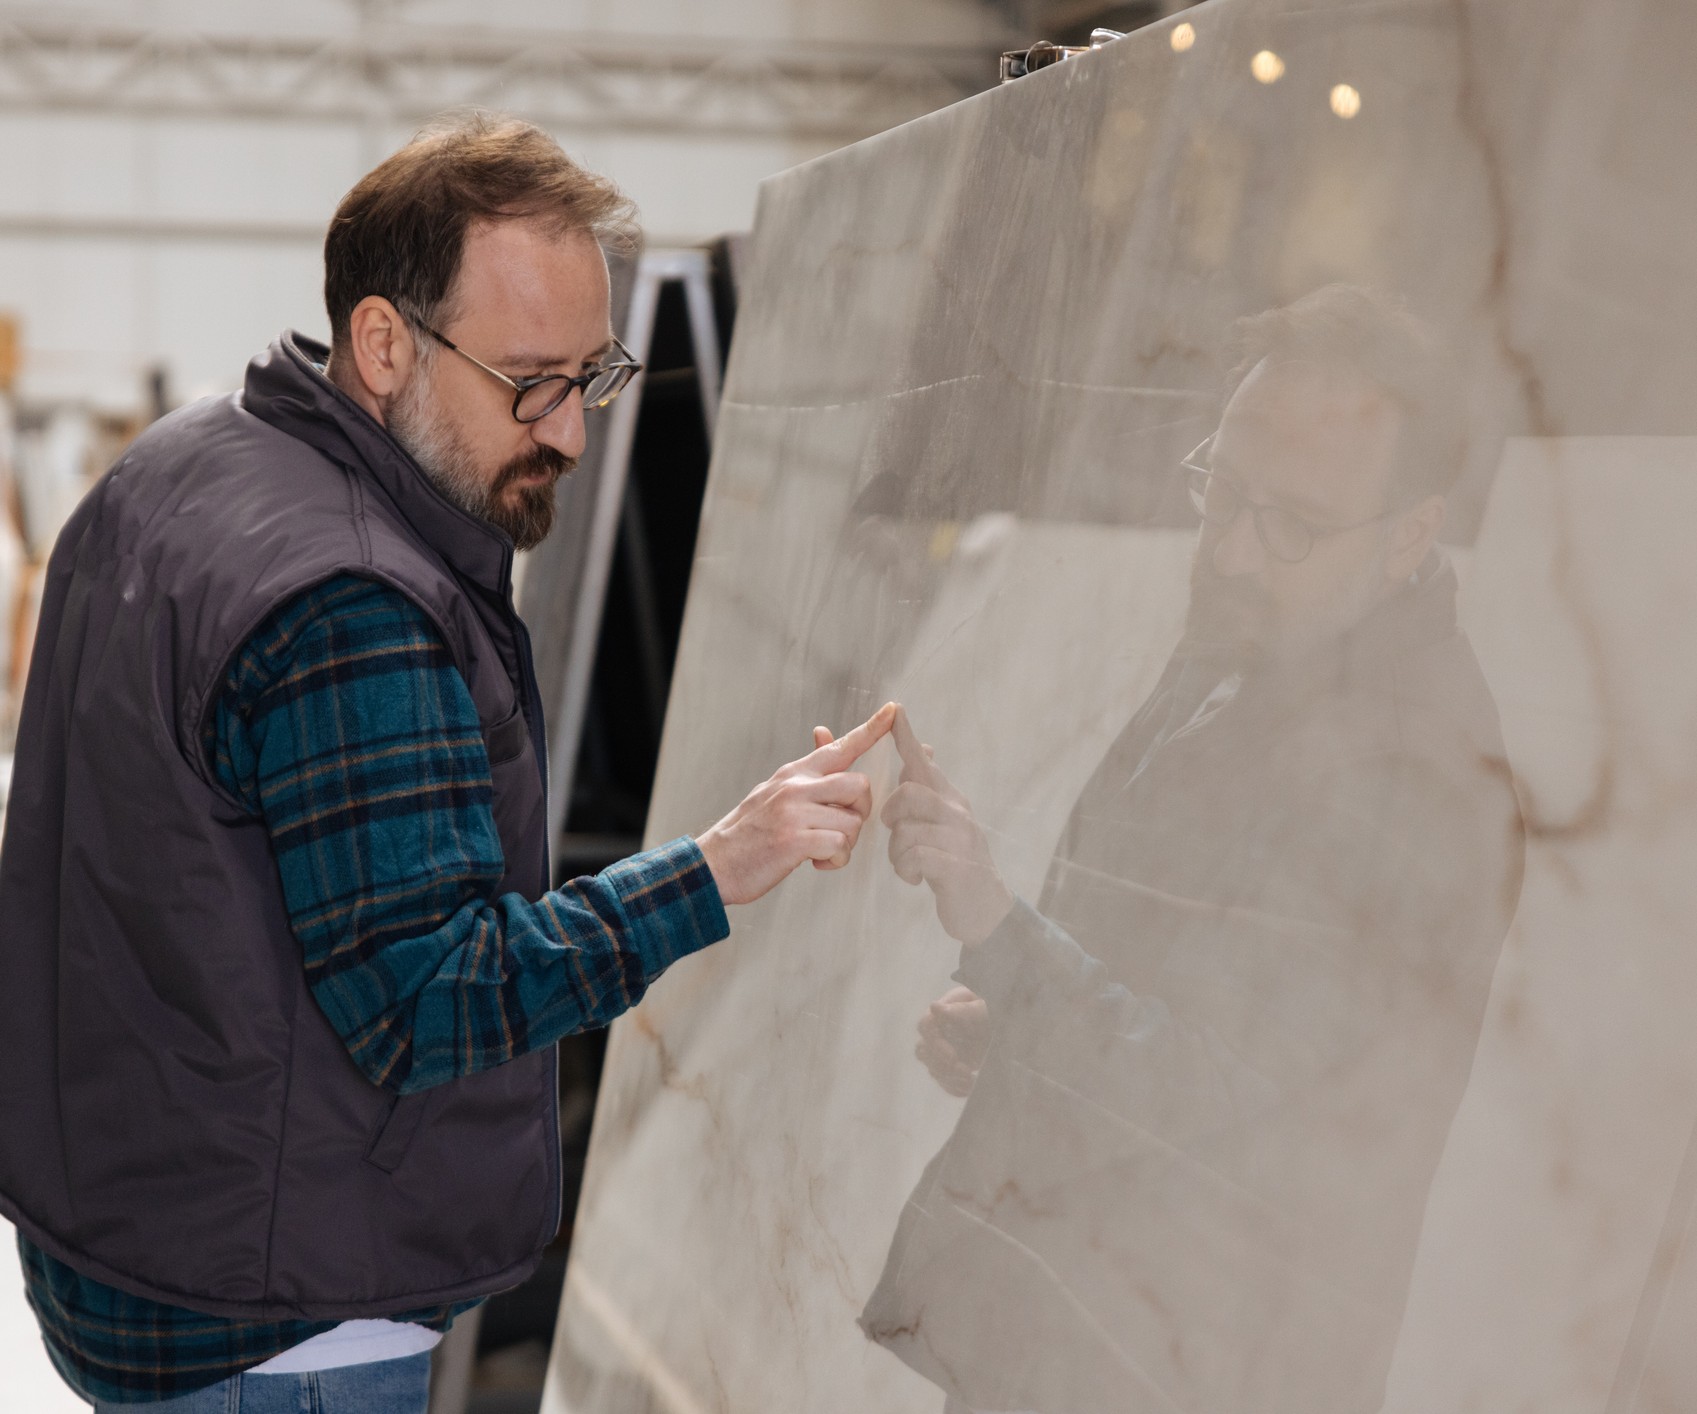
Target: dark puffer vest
177, 1117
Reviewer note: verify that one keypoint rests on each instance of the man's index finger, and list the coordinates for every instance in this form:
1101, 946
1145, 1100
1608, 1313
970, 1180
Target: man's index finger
842, 753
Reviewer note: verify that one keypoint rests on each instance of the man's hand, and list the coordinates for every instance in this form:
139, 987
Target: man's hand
934, 839
810, 809
954, 1037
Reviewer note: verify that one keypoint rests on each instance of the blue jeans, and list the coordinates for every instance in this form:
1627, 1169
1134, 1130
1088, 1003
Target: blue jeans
388, 1387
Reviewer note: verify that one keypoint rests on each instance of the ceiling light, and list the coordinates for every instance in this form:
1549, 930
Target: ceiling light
1346, 101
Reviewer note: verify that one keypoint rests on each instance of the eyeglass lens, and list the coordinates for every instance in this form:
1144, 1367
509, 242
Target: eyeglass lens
606, 386
1286, 536
537, 402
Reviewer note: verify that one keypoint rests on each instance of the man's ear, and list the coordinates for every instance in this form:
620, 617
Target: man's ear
1412, 534
381, 352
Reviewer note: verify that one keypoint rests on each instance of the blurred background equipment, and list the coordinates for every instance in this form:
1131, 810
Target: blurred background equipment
623, 550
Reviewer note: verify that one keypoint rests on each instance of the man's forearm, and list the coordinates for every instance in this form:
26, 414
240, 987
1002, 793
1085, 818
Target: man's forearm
501, 978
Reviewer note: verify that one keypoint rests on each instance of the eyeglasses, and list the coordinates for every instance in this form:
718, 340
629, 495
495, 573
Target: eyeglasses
535, 398
1286, 535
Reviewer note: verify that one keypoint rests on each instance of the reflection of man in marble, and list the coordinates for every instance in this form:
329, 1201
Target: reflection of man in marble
1212, 1071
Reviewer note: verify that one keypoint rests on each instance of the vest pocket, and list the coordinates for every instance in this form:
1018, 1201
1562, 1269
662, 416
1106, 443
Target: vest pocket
394, 1136
506, 738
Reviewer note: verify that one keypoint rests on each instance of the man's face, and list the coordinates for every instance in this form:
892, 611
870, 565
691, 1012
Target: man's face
526, 303
1319, 442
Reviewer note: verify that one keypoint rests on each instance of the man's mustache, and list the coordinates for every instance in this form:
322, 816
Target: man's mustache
540, 461
1214, 590
1225, 612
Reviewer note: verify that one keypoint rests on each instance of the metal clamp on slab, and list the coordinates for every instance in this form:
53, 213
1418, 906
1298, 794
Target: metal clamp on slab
1017, 63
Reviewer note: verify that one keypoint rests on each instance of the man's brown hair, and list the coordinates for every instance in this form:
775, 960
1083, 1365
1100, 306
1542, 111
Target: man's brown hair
1351, 328
401, 232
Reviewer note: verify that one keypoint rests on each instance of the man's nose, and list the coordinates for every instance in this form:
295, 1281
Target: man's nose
563, 428
1237, 549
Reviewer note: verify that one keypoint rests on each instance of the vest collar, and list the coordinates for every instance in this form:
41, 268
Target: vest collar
286, 388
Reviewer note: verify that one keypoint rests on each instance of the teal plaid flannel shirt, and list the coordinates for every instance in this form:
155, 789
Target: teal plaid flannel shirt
345, 725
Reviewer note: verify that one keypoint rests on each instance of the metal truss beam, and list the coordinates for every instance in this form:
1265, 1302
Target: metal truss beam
404, 75
147, 229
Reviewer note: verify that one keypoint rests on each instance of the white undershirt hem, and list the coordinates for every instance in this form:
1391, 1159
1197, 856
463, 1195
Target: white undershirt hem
352, 1343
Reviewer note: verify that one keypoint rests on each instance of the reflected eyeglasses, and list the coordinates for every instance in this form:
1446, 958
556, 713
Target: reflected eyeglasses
535, 398
1284, 534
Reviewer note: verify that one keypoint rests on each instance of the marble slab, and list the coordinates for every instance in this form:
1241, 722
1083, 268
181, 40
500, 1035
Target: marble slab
1338, 1055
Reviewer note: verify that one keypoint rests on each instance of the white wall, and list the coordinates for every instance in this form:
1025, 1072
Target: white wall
97, 309
100, 301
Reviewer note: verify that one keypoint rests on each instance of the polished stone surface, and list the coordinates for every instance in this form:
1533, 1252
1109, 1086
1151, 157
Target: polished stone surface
1340, 1056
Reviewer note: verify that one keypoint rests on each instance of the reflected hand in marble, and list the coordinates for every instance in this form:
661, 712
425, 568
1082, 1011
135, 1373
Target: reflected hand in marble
954, 1037
935, 840
810, 809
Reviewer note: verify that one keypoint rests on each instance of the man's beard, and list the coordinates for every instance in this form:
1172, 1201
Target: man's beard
1231, 614
1234, 614
526, 515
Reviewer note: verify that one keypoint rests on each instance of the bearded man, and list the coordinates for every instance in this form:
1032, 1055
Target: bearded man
284, 972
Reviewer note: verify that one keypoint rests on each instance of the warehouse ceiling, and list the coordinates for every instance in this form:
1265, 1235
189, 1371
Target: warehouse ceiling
398, 73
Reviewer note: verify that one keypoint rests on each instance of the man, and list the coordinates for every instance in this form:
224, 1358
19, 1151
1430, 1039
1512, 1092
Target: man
283, 971
1211, 1072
